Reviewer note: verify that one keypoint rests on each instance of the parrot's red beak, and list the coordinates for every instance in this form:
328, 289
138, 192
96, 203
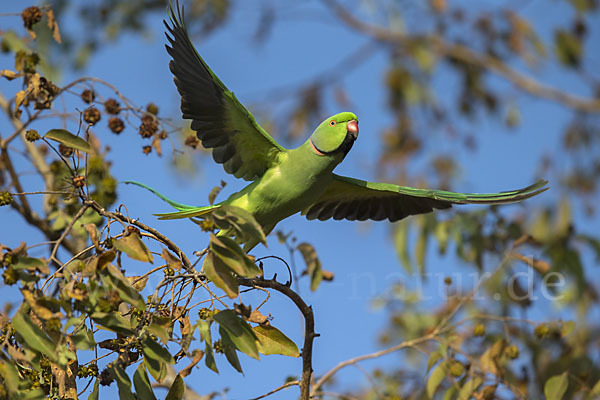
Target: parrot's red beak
352, 128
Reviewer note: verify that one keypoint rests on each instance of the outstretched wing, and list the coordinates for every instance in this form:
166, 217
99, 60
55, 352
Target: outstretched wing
354, 199
221, 122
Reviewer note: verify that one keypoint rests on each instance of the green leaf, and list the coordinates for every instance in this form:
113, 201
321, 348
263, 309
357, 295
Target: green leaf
32, 336
143, 388
123, 382
229, 350
10, 374
568, 48
434, 357
313, 264
95, 394
272, 341
232, 255
177, 389
240, 221
556, 387
401, 244
159, 330
156, 358
239, 331
219, 274
133, 246
435, 379
32, 264
83, 338
593, 243
113, 321
209, 358
468, 388
567, 328
450, 393
421, 250
595, 390
67, 138
113, 279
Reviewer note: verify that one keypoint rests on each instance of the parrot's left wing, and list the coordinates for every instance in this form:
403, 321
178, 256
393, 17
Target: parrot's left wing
354, 199
222, 123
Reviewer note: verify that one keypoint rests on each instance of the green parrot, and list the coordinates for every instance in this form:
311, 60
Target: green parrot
288, 181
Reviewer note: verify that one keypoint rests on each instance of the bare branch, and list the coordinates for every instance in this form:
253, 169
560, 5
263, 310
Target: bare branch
399, 346
309, 327
162, 238
469, 56
284, 386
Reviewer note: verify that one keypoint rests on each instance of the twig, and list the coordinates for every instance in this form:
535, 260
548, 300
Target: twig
309, 327
405, 344
469, 56
162, 238
284, 386
66, 231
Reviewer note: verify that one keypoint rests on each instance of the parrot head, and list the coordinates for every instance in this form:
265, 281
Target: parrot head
335, 135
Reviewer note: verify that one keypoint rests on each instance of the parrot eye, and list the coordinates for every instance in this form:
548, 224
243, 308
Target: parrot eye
332, 123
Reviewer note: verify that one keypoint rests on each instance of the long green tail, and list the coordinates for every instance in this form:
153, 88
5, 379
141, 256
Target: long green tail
511, 196
185, 211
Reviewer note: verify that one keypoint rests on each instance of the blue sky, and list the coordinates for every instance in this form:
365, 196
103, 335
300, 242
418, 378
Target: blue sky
360, 254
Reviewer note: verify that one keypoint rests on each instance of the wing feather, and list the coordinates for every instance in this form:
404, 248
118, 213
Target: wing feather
221, 122
354, 199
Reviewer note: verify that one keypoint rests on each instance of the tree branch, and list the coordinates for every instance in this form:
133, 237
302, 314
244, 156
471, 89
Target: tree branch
469, 56
162, 238
309, 327
399, 346
284, 386
25, 210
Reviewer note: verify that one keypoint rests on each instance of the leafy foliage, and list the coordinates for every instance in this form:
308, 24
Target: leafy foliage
83, 322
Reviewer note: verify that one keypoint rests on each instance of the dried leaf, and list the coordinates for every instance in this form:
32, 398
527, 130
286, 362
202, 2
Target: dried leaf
133, 246
196, 357
173, 261
313, 264
8, 74
156, 145
92, 231
39, 310
257, 317
53, 25
137, 283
